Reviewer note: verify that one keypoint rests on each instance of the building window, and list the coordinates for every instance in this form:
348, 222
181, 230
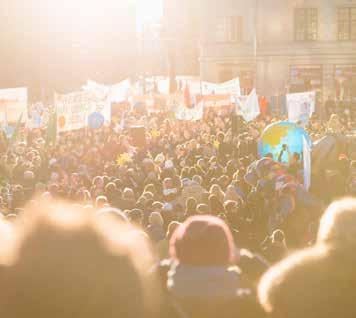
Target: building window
306, 24
346, 20
229, 29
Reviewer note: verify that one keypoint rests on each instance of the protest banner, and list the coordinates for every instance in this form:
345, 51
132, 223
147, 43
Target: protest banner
210, 101
301, 107
13, 104
117, 93
199, 87
231, 87
73, 110
247, 106
120, 92
194, 113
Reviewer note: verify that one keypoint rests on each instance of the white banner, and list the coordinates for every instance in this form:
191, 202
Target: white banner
120, 92
190, 114
248, 106
13, 103
301, 107
198, 87
214, 101
116, 93
73, 110
231, 87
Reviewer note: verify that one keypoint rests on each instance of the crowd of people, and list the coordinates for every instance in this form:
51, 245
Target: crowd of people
171, 225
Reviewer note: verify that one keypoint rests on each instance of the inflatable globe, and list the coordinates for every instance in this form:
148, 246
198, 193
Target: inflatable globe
282, 133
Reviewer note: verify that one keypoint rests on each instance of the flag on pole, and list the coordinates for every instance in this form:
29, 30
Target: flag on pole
248, 106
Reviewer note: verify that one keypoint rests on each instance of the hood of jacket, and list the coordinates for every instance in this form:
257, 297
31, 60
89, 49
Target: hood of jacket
204, 282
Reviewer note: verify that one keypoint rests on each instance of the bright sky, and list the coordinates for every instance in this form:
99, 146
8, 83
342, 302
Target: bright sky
149, 10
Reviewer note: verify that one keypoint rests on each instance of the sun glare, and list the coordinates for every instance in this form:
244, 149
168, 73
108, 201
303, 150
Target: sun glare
146, 11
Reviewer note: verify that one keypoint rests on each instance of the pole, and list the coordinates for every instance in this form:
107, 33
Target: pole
256, 40
143, 58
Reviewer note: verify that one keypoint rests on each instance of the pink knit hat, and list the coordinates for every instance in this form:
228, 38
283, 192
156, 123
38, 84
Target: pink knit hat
202, 241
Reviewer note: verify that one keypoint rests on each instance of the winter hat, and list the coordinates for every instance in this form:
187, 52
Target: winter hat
203, 241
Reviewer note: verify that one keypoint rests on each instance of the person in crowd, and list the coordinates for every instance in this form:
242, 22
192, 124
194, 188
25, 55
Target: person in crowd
136, 217
232, 194
163, 245
215, 205
275, 247
201, 281
318, 281
217, 191
86, 269
191, 208
155, 228
187, 169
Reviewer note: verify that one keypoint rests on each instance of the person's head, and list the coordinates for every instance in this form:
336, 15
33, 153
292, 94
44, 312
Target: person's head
168, 183
230, 207
148, 195
98, 182
191, 205
216, 190
172, 227
101, 201
197, 179
110, 189
157, 206
184, 173
220, 137
338, 224
216, 207
278, 237
314, 283
155, 219
202, 241
203, 209
136, 217
150, 188
68, 264
128, 194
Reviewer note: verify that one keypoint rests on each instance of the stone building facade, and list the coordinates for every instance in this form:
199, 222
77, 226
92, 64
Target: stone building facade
281, 46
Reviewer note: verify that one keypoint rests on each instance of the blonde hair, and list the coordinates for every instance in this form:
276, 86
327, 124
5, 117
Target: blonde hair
272, 293
338, 224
